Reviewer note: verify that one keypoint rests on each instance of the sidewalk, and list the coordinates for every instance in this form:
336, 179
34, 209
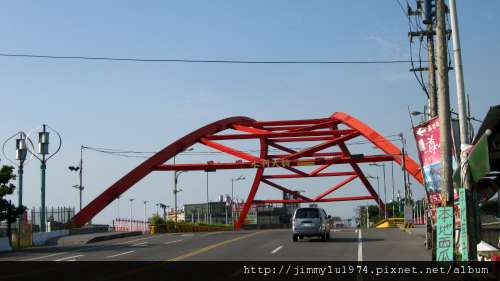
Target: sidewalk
82, 239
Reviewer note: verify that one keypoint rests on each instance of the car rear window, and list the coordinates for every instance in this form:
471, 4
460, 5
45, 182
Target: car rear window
307, 213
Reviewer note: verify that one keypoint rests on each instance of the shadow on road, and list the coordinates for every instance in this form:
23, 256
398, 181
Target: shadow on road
341, 240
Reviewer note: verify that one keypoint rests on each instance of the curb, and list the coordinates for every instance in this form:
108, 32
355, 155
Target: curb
113, 236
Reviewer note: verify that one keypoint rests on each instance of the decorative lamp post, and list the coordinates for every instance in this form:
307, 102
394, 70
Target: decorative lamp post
45, 155
21, 153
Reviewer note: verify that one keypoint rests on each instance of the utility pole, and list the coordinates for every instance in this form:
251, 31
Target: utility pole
428, 21
424, 9
444, 106
81, 176
471, 209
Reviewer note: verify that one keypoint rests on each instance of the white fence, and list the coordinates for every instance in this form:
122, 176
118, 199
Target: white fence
130, 225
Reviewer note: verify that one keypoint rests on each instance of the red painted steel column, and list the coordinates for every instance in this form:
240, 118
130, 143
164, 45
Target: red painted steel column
251, 196
256, 181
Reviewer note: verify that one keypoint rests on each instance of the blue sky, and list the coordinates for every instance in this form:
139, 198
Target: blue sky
145, 106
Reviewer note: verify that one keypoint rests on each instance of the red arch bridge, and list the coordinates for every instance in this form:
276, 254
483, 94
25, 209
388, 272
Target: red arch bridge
327, 138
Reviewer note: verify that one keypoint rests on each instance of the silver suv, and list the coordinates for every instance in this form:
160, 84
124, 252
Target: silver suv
307, 222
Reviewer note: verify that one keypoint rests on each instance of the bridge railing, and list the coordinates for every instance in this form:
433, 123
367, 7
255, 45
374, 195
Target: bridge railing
128, 225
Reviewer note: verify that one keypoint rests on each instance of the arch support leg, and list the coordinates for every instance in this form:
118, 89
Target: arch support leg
250, 198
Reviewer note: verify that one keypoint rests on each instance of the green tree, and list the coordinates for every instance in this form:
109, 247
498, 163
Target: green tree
8, 212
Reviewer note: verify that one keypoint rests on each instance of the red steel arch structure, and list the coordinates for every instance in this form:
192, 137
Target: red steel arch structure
328, 148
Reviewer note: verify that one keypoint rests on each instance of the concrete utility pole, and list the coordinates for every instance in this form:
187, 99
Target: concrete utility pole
433, 109
464, 133
444, 106
457, 57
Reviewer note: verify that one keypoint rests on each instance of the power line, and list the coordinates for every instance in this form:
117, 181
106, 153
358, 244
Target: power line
54, 57
146, 154
401, 6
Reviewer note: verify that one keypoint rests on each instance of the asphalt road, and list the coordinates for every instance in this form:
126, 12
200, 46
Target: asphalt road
245, 245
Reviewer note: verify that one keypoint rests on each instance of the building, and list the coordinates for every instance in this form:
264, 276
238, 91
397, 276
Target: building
180, 215
259, 215
218, 213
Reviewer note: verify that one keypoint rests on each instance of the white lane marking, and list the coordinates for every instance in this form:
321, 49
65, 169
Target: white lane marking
212, 233
187, 235
360, 246
276, 250
138, 244
128, 242
121, 254
69, 258
172, 242
89, 248
42, 257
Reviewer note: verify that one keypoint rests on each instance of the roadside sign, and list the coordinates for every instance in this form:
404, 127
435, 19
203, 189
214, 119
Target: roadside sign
464, 242
428, 144
444, 228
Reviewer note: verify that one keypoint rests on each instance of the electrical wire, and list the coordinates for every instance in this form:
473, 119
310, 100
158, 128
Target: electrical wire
137, 154
421, 83
420, 65
38, 56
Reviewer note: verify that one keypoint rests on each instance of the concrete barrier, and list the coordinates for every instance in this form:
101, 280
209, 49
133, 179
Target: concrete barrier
40, 238
4, 245
113, 236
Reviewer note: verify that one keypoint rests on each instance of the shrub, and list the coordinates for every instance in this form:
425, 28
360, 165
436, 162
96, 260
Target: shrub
157, 220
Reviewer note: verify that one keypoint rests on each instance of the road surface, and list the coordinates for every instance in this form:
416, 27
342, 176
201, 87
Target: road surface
245, 245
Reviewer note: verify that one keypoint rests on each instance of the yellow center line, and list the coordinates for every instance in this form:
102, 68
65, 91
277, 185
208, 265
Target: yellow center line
213, 246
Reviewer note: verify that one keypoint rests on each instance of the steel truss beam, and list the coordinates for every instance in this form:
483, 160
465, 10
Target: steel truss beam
270, 134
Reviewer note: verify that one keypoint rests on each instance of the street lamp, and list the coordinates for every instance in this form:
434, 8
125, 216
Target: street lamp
239, 178
176, 190
131, 200
79, 169
163, 206
118, 206
208, 213
43, 150
378, 190
385, 190
21, 153
145, 215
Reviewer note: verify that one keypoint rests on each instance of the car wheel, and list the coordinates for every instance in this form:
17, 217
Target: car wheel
294, 238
